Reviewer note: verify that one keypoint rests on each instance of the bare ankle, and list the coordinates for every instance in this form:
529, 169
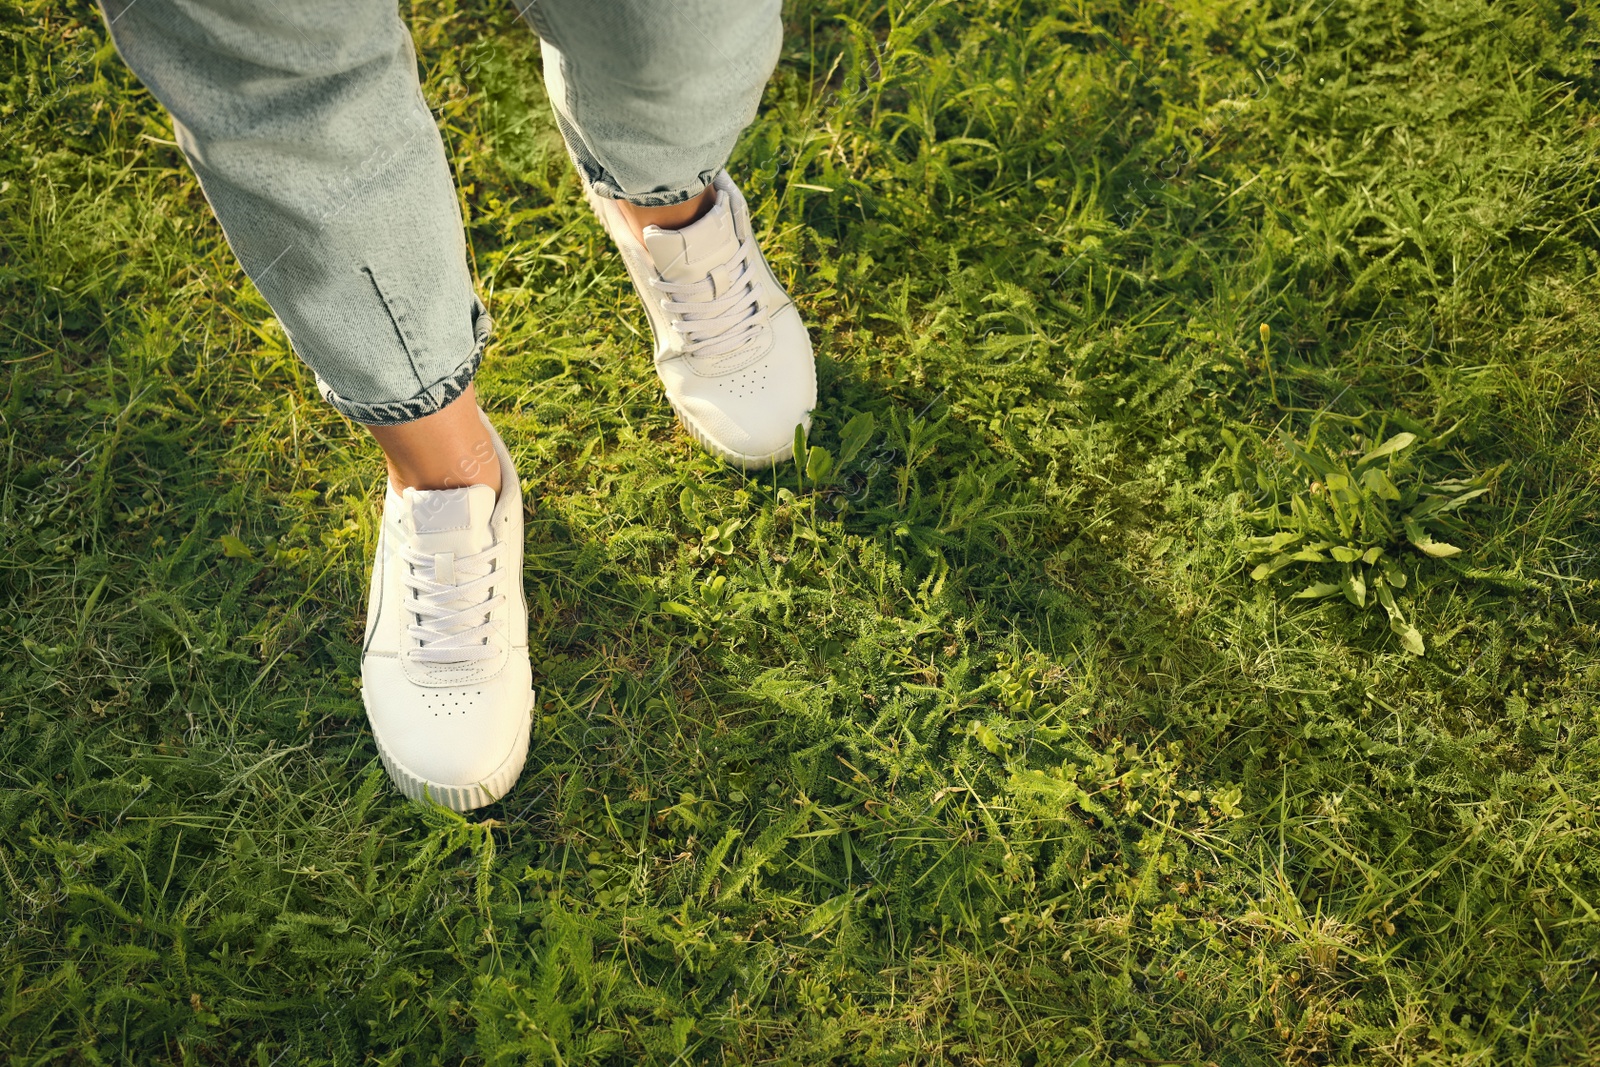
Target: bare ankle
450, 449
669, 216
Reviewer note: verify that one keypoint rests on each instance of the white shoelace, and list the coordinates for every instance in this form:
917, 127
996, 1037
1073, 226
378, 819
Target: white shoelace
453, 624
715, 326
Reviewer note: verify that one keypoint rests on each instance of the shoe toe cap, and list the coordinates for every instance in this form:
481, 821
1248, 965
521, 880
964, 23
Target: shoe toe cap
749, 415
754, 439
454, 736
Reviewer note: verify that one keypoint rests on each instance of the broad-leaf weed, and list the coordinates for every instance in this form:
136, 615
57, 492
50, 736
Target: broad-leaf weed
1353, 513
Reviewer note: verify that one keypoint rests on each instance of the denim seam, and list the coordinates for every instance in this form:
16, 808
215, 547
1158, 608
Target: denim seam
529, 9
427, 400
397, 318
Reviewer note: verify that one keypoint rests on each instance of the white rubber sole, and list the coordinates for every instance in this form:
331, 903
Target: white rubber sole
463, 797
737, 459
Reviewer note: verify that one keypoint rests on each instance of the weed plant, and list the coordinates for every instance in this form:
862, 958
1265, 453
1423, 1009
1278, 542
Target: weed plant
1348, 514
969, 739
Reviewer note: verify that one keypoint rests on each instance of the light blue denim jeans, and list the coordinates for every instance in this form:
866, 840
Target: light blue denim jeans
305, 123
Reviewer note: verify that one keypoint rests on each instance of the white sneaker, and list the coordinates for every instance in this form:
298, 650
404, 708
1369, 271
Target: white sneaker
730, 346
444, 669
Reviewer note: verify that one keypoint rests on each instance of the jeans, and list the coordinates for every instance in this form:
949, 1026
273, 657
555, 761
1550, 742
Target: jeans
306, 126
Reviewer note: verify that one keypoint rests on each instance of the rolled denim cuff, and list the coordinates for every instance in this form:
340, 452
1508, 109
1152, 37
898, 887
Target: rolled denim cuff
429, 400
604, 187
598, 180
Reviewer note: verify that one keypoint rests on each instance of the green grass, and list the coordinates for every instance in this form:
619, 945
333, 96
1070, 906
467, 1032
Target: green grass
980, 745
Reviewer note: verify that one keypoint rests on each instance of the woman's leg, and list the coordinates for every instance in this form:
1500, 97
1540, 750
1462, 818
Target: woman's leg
651, 96
307, 128
305, 123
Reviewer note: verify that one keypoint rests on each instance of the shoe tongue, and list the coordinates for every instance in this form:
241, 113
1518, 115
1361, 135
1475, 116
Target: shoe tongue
692, 253
452, 520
